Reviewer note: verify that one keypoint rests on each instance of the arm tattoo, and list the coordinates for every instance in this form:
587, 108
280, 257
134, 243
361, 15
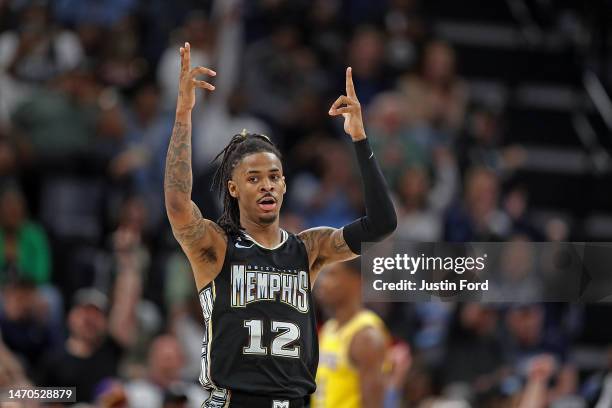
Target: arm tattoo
178, 176
307, 239
326, 245
339, 244
191, 234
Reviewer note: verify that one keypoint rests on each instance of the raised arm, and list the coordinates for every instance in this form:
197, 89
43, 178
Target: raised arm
327, 245
202, 240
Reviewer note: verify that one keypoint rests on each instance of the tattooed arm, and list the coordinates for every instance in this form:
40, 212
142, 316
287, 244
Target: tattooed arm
324, 245
202, 240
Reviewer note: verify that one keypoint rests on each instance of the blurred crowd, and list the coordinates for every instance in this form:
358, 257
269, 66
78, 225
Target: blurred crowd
95, 292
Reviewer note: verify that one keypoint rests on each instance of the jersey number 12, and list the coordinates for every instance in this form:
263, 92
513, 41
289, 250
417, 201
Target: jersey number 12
289, 333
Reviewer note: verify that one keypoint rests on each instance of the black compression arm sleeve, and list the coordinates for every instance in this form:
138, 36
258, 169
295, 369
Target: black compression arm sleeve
380, 219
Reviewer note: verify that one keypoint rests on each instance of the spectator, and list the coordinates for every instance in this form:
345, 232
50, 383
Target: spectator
35, 53
166, 361
517, 277
406, 29
366, 53
422, 205
24, 322
24, 249
479, 218
330, 200
527, 336
394, 139
528, 339
96, 341
481, 144
198, 31
280, 70
224, 113
474, 354
516, 203
120, 64
140, 161
436, 94
56, 123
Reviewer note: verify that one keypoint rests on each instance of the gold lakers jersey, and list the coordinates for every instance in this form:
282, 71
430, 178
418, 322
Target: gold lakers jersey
337, 379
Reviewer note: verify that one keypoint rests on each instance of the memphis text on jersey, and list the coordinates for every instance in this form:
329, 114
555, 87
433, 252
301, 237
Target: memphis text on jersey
252, 283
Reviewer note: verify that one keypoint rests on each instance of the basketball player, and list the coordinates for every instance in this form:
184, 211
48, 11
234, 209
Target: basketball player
354, 344
260, 346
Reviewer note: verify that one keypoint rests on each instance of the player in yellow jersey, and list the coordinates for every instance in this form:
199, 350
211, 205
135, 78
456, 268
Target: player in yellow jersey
354, 345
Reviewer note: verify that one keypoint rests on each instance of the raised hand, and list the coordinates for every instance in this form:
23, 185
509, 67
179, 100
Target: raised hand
351, 111
188, 82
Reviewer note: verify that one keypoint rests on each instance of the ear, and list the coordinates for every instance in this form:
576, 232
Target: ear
232, 187
284, 185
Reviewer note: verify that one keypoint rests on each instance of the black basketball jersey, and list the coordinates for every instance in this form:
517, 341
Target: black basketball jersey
260, 335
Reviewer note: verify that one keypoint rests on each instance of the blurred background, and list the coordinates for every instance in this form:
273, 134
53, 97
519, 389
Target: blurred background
491, 121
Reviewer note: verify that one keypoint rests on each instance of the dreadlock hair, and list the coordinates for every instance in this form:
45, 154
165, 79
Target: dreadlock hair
241, 145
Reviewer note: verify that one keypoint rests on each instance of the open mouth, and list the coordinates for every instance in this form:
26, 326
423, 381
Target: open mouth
267, 203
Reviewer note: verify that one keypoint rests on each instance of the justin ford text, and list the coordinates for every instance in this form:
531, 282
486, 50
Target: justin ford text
434, 264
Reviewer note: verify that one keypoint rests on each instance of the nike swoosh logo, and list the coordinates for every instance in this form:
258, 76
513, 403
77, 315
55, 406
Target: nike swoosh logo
238, 245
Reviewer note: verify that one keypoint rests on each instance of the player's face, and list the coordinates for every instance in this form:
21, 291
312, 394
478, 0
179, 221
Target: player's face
258, 184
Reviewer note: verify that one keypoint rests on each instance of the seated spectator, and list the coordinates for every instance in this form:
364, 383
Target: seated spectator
98, 336
197, 30
330, 199
436, 94
34, 53
474, 352
57, 122
225, 111
25, 255
120, 64
481, 144
395, 138
517, 279
278, 71
24, 249
479, 217
166, 361
366, 55
528, 339
24, 322
141, 159
422, 204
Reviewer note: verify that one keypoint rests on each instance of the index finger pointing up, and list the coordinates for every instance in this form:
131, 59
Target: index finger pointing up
350, 88
186, 57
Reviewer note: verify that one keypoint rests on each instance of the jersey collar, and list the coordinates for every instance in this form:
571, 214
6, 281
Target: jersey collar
284, 236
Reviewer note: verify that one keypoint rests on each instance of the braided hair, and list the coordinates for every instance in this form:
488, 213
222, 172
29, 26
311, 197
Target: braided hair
239, 146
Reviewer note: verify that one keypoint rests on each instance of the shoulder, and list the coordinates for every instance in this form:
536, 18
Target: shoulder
313, 236
368, 347
363, 320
